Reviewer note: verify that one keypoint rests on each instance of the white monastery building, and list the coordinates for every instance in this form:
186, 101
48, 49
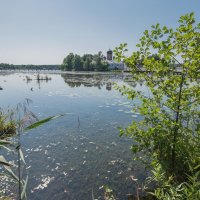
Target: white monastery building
112, 63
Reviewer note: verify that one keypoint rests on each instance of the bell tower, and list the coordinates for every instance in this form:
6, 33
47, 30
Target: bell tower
109, 55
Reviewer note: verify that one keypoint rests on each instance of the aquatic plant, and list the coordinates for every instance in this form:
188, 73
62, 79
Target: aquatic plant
7, 123
22, 120
40, 78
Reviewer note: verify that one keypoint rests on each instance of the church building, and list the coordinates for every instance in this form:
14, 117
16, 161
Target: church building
113, 65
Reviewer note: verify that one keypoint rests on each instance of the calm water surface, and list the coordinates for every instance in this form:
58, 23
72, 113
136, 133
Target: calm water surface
78, 153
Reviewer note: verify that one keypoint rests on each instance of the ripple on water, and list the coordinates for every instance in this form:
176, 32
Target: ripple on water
78, 159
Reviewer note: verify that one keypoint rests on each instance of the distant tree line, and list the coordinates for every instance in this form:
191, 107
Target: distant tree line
5, 66
87, 62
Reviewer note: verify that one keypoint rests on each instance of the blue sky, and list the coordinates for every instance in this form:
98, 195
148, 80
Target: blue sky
45, 31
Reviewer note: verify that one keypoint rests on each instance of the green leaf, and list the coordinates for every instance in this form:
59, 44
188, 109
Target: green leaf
41, 122
138, 45
168, 131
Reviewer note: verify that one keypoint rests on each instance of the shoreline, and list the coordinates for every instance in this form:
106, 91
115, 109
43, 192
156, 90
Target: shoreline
64, 72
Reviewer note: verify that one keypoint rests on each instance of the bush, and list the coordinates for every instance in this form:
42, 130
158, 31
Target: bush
168, 136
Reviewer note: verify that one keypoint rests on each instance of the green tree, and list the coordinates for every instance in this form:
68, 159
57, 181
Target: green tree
168, 136
99, 63
77, 64
68, 62
87, 60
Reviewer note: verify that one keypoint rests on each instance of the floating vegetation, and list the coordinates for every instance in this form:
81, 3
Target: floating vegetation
41, 78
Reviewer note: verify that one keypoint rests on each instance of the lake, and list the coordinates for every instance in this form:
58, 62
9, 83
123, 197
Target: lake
73, 156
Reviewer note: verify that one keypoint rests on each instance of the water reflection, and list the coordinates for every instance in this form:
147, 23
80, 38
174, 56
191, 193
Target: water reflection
108, 86
99, 80
87, 80
81, 151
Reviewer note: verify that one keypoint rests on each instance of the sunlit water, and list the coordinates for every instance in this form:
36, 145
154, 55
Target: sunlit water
73, 156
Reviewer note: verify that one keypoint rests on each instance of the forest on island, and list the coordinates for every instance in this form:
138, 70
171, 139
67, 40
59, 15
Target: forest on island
87, 62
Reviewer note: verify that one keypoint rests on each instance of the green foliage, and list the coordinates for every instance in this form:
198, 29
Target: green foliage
77, 64
41, 122
13, 117
169, 133
87, 62
7, 124
169, 189
99, 63
68, 62
20, 117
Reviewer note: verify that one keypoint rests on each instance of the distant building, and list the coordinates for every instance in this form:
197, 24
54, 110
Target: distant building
113, 65
109, 55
